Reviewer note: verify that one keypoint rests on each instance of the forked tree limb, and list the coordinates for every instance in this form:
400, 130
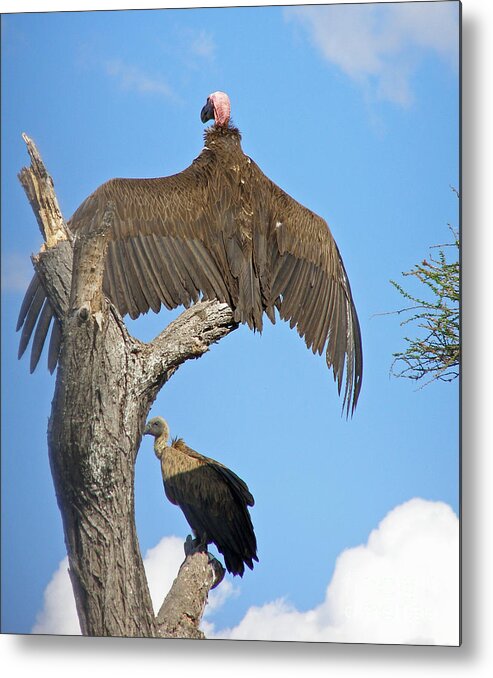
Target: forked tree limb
106, 383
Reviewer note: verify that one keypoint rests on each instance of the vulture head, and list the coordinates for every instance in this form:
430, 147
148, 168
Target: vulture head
217, 108
157, 427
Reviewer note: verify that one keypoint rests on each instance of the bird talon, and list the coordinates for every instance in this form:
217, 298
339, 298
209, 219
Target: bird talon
192, 545
189, 545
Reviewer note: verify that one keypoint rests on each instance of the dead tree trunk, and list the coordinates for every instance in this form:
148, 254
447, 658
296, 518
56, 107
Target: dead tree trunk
105, 385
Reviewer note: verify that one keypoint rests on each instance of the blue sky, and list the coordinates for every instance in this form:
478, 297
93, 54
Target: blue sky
354, 112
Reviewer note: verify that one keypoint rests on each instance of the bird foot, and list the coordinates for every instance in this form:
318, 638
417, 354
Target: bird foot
189, 545
193, 545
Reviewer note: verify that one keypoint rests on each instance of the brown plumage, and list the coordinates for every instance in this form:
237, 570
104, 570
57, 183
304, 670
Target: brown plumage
213, 499
220, 230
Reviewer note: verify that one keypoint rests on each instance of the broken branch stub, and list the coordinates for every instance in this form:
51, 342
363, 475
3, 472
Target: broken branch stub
86, 296
38, 185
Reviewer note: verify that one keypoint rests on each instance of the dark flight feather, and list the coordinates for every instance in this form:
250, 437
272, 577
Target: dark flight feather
42, 326
221, 229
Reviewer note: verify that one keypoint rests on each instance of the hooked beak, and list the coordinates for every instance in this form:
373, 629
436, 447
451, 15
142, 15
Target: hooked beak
207, 113
147, 429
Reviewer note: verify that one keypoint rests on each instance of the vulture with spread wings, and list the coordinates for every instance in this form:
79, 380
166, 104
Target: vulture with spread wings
218, 230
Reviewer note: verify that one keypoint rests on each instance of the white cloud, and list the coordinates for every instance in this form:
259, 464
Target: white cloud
379, 45
59, 615
217, 597
17, 272
132, 78
401, 587
161, 565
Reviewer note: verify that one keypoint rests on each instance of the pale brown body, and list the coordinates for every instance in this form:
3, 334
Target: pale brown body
220, 229
213, 499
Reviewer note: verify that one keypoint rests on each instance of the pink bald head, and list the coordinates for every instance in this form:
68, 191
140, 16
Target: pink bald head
221, 108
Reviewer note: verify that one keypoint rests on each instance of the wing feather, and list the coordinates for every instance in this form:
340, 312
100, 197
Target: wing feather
141, 277
40, 333
222, 229
55, 343
170, 275
33, 287
31, 318
177, 250
141, 260
152, 249
135, 294
312, 291
313, 308
323, 318
210, 281
214, 501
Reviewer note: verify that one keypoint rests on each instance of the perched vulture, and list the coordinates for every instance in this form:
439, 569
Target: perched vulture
218, 230
213, 499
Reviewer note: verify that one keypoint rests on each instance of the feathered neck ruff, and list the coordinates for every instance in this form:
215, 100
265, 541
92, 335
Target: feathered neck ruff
214, 133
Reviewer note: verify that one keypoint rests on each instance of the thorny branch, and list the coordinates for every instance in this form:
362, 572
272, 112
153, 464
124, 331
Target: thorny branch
436, 352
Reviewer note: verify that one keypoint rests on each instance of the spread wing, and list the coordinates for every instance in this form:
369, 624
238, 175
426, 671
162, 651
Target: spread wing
167, 246
311, 289
166, 240
221, 230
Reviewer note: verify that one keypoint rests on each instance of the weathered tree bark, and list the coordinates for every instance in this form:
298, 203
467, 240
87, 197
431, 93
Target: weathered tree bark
105, 385
183, 607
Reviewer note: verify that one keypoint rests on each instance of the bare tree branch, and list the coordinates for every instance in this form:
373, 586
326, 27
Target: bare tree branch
38, 186
183, 607
187, 337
